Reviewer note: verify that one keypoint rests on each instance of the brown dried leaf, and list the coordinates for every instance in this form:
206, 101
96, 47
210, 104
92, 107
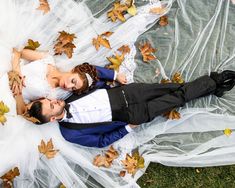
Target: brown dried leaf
165, 81
44, 6
173, 114
32, 45
47, 149
117, 12
147, 52
100, 40
116, 61
101, 161
163, 21
158, 10
65, 44
177, 78
124, 49
111, 154
130, 164
10, 175
122, 173
107, 34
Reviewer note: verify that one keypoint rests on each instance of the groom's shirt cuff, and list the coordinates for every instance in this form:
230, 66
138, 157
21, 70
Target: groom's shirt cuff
128, 128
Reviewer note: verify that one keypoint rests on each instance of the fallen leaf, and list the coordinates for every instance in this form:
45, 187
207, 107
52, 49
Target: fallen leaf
44, 6
100, 160
140, 159
177, 78
62, 186
158, 10
124, 49
3, 109
227, 132
130, 164
122, 173
65, 44
163, 21
32, 45
115, 61
173, 114
197, 170
147, 52
117, 12
8, 177
111, 154
47, 149
132, 10
107, 34
100, 40
165, 81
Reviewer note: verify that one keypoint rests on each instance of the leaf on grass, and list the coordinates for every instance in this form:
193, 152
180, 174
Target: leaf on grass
173, 114
115, 61
124, 49
47, 149
8, 177
227, 132
65, 44
163, 21
32, 45
107, 159
177, 78
147, 51
3, 109
157, 10
117, 12
44, 6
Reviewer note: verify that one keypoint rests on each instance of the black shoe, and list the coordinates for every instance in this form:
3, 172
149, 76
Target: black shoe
228, 85
221, 78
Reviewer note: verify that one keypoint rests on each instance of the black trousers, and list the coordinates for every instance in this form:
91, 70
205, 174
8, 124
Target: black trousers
138, 103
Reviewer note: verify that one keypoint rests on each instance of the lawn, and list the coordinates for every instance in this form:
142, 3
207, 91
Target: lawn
159, 176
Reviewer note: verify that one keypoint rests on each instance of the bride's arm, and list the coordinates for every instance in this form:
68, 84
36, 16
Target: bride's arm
20, 105
33, 55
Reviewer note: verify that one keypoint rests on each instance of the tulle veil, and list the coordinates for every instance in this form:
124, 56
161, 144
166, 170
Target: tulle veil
198, 39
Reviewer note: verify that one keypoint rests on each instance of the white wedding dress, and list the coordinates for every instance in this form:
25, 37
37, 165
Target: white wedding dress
192, 44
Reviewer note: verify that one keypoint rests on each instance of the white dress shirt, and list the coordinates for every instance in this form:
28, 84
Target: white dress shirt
92, 108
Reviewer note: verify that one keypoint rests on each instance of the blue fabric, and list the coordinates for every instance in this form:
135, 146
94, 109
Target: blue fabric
99, 136
104, 75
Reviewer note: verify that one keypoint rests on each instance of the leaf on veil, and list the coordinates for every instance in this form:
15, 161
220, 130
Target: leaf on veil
32, 45
131, 7
101, 40
177, 78
44, 6
173, 114
124, 49
163, 21
158, 10
47, 149
65, 44
227, 132
62, 186
133, 163
107, 159
117, 12
122, 173
8, 177
115, 61
3, 109
147, 51
165, 81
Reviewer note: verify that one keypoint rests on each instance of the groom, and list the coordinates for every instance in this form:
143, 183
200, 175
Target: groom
104, 116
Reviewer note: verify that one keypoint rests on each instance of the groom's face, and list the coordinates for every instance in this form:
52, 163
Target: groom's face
52, 108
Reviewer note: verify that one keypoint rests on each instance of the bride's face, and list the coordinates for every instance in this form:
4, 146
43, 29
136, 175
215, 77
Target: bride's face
70, 82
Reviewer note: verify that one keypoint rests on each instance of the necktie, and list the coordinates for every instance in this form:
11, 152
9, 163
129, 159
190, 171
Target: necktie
68, 114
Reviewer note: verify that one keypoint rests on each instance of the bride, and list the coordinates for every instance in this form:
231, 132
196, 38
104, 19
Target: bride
186, 45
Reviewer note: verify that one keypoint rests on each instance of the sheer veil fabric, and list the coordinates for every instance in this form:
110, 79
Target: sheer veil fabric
199, 38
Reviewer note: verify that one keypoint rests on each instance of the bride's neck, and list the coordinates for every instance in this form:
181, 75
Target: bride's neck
54, 75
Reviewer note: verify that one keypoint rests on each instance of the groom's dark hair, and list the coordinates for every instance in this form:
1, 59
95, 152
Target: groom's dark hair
36, 112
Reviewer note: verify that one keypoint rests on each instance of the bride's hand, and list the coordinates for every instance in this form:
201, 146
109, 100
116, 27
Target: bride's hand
121, 78
16, 82
16, 53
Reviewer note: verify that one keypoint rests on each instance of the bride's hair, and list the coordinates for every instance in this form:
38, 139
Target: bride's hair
82, 70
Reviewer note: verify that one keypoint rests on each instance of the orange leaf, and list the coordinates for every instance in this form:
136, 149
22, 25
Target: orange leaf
130, 164
173, 114
124, 49
107, 34
177, 78
65, 44
117, 12
101, 161
163, 21
10, 175
44, 6
122, 173
47, 149
157, 10
100, 40
165, 81
147, 52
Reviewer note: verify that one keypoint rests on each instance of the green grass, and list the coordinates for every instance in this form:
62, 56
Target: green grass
159, 176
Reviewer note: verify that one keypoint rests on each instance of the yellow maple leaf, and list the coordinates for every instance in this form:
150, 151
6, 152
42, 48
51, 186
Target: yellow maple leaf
115, 61
227, 132
3, 109
47, 149
32, 45
117, 12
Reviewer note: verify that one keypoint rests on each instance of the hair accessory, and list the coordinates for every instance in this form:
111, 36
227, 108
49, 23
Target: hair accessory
89, 79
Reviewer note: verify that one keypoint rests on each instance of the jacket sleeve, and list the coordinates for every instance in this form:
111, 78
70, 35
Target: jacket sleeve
98, 140
105, 74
